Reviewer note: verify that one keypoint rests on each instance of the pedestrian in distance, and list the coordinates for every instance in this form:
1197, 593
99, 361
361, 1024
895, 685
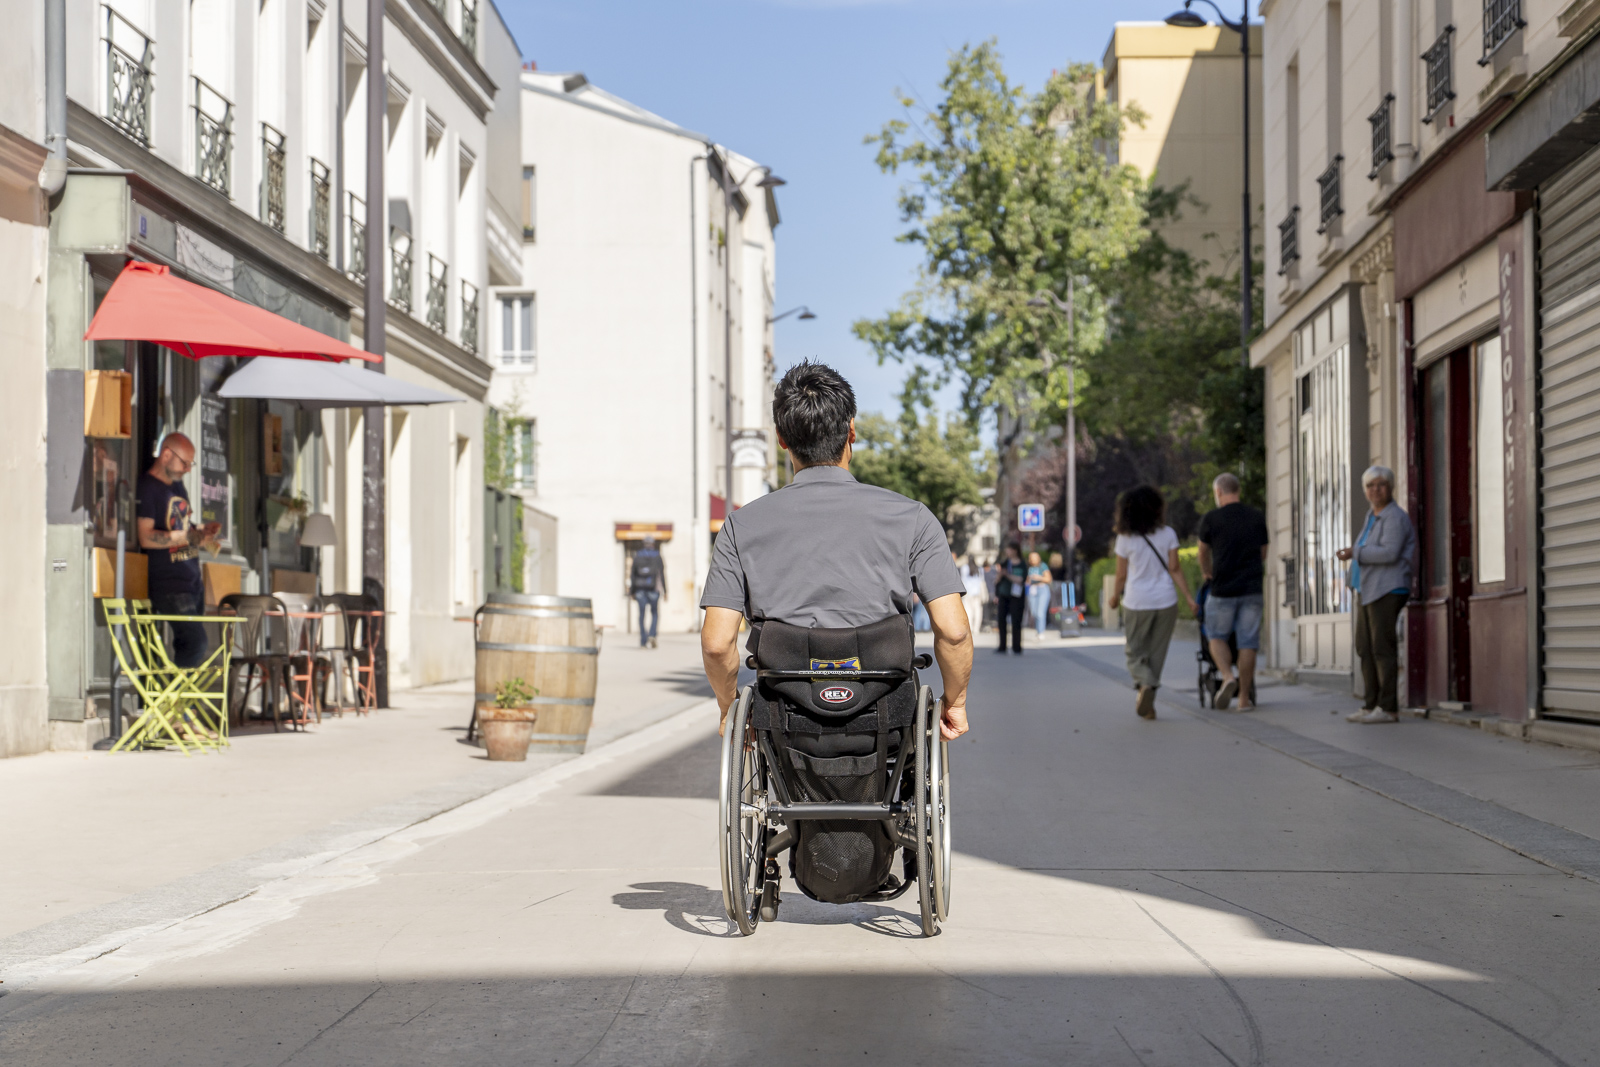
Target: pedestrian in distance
1147, 584
991, 582
1039, 591
1233, 553
172, 540
647, 584
1010, 589
1380, 574
975, 595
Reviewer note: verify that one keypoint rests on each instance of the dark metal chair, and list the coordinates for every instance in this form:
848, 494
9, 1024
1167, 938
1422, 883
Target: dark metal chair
261, 652
362, 622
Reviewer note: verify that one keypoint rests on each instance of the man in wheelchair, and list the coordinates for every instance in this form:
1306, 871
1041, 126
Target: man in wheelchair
836, 754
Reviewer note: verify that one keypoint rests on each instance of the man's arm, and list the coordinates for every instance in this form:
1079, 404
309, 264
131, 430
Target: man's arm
952, 647
719, 649
1205, 560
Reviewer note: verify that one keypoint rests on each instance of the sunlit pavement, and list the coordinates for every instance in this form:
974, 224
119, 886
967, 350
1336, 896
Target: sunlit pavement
1126, 892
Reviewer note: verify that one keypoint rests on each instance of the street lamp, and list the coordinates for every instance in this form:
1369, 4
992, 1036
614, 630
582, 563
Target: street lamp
1044, 298
805, 313
1187, 19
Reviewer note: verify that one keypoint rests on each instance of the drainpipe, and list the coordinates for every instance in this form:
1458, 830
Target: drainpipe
53, 175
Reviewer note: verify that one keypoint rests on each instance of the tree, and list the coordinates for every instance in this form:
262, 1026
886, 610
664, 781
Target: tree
1010, 193
917, 457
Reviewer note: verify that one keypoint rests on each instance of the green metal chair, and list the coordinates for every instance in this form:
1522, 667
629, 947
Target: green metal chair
183, 707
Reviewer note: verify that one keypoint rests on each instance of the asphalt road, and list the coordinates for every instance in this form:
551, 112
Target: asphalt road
1125, 892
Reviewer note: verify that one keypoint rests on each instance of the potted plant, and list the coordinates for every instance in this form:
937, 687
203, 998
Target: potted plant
507, 727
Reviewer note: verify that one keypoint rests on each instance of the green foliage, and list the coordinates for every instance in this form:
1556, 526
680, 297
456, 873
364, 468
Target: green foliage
514, 693
499, 449
1010, 194
917, 457
519, 551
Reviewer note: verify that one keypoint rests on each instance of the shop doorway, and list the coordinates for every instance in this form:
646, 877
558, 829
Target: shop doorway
1445, 529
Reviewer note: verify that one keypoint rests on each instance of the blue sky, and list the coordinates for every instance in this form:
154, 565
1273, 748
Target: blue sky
797, 84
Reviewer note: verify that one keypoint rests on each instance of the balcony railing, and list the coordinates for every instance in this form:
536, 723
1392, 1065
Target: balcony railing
274, 176
469, 24
1289, 240
213, 138
400, 269
1501, 18
1437, 58
130, 73
356, 223
321, 210
1382, 134
438, 293
469, 316
1332, 201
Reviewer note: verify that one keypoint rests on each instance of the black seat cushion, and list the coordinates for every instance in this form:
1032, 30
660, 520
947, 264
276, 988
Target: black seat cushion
886, 645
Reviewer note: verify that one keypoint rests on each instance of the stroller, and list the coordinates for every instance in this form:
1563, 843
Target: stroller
1210, 680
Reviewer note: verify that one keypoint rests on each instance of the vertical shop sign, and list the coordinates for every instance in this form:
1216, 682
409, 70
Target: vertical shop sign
214, 489
1509, 268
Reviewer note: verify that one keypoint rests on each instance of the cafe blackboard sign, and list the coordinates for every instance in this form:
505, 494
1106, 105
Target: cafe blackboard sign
214, 489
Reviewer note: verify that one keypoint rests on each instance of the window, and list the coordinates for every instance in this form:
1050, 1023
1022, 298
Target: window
1437, 59
517, 347
1382, 135
1494, 376
1323, 483
528, 456
1501, 19
1332, 203
530, 203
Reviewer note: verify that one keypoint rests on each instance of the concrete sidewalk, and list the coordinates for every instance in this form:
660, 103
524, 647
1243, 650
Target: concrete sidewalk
86, 830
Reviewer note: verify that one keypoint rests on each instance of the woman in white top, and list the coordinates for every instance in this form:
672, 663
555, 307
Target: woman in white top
1147, 586
977, 591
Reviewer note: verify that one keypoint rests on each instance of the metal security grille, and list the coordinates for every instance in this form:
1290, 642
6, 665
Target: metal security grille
1382, 139
469, 316
356, 223
1569, 499
1289, 240
1501, 18
321, 209
274, 176
213, 138
438, 290
130, 76
1332, 199
1437, 58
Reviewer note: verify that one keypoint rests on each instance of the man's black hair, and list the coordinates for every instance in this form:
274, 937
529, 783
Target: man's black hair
812, 408
1139, 511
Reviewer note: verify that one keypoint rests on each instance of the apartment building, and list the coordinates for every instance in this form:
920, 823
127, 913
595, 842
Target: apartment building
635, 347
225, 139
1403, 329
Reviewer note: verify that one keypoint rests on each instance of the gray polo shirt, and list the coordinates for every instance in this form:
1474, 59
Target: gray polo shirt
826, 550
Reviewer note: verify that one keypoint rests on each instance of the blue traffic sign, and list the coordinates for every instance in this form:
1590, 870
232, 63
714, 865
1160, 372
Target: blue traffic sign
1030, 518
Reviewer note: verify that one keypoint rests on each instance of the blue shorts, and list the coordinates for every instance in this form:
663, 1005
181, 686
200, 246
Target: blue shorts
1237, 615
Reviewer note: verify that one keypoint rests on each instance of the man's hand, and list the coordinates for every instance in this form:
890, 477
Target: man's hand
1345, 554
952, 647
952, 720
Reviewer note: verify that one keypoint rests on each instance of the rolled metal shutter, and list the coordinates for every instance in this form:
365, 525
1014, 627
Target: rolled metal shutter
1569, 461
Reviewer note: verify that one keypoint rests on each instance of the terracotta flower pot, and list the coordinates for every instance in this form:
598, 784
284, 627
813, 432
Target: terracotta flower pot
507, 732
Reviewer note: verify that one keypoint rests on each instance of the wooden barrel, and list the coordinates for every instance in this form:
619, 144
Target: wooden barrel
548, 642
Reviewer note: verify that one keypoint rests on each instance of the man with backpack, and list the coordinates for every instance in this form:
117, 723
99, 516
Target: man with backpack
647, 583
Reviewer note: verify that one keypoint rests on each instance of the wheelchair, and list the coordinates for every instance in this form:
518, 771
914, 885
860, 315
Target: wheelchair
834, 757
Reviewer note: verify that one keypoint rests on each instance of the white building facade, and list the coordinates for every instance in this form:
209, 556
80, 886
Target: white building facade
636, 347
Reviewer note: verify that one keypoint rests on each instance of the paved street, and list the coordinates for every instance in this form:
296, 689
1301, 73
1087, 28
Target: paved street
1207, 888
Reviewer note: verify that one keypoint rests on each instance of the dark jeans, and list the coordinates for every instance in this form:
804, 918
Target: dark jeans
1379, 648
1010, 608
653, 602
189, 642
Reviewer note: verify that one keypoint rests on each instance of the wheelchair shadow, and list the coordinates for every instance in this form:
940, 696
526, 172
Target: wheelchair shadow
694, 909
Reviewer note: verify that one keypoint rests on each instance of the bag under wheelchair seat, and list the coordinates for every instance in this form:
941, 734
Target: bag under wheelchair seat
829, 750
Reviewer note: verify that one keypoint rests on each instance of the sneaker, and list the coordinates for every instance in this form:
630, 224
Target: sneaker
652, 642
1146, 705
1374, 715
1225, 695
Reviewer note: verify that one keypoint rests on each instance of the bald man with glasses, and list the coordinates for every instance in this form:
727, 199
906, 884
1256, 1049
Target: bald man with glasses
172, 540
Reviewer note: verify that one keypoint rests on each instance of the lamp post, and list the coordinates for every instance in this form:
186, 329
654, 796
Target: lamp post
805, 314
1187, 19
1069, 533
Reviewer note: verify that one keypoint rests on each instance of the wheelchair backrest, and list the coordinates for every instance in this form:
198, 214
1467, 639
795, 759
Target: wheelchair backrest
887, 645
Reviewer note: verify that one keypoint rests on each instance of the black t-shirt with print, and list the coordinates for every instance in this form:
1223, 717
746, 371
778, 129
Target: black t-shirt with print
1236, 533
1013, 578
175, 570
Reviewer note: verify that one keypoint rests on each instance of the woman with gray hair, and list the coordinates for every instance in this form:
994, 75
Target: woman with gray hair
1380, 574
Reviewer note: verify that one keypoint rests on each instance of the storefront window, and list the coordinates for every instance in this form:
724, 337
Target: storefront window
1322, 460
1491, 465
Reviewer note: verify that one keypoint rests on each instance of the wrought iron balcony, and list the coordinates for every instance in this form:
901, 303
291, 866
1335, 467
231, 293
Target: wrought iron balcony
400, 269
1289, 240
321, 210
130, 75
469, 316
438, 293
1501, 19
469, 24
1382, 134
274, 176
213, 138
356, 223
1437, 58
1332, 201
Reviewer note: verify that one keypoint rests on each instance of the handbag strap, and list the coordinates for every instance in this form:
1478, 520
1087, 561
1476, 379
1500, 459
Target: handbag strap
1159, 557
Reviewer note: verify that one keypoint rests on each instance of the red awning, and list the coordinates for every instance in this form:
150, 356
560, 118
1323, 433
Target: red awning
146, 303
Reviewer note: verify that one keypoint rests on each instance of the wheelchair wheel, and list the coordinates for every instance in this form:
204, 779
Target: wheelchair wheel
922, 830
742, 803
939, 818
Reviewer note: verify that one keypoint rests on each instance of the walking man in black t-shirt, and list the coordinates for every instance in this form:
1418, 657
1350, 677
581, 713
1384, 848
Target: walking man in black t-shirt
1233, 549
171, 540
